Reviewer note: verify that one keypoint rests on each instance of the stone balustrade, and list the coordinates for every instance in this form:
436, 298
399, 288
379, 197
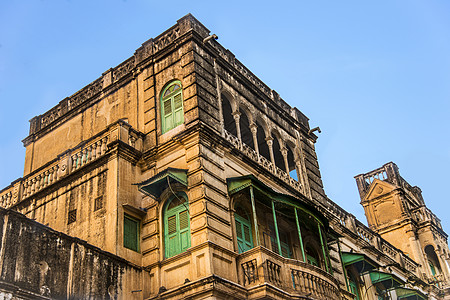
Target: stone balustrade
37, 182
260, 266
315, 286
69, 162
88, 153
262, 161
6, 197
365, 233
338, 212
424, 214
379, 173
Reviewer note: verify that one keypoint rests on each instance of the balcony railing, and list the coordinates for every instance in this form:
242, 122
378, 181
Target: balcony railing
67, 163
262, 161
261, 266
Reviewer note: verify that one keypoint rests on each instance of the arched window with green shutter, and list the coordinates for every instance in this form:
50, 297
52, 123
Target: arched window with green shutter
172, 112
243, 230
177, 232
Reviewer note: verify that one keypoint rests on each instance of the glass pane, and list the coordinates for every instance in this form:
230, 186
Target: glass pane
176, 201
176, 87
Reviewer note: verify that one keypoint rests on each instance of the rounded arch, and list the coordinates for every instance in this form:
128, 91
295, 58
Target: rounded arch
276, 147
229, 96
244, 108
261, 122
433, 260
227, 114
244, 125
171, 99
313, 251
261, 135
291, 158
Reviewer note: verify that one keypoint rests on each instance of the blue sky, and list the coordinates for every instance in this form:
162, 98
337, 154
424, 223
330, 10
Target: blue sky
374, 75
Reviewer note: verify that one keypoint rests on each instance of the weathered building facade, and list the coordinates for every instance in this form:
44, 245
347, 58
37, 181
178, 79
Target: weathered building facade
200, 182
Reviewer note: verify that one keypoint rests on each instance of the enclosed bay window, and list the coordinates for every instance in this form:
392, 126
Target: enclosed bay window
278, 222
172, 113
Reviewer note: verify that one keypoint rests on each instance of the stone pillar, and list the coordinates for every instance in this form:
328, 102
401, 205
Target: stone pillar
284, 152
444, 266
254, 129
237, 116
269, 141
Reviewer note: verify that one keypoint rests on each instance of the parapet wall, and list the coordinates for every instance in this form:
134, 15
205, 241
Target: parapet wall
37, 262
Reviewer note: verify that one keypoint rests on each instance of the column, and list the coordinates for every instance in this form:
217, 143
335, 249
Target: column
276, 228
237, 116
322, 244
255, 220
284, 153
269, 141
254, 130
300, 235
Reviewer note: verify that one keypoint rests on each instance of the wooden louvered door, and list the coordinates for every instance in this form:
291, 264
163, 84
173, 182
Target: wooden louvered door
177, 231
243, 234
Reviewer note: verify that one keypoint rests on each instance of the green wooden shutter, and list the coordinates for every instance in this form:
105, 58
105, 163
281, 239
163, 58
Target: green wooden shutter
167, 114
172, 113
177, 230
243, 234
178, 109
184, 230
131, 233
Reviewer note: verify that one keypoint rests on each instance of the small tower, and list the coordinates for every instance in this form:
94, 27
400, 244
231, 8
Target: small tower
396, 210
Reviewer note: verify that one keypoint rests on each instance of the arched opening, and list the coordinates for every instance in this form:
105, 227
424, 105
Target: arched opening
312, 256
279, 161
433, 261
285, 244
291, 163
246, 134
177, 232
262, 143
172, 113
228, 119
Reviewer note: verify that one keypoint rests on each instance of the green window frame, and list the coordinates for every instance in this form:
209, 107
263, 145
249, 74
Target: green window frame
243, 233
177, 229
131, 233
353, 285
172, 113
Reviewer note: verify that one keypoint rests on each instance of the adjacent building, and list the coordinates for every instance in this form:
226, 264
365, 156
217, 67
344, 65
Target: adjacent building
180, 175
